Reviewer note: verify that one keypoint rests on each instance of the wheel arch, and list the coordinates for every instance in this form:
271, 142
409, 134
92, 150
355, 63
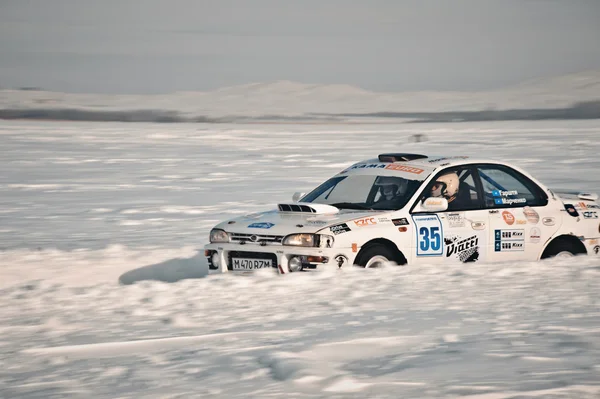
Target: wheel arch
401, 258
564, 238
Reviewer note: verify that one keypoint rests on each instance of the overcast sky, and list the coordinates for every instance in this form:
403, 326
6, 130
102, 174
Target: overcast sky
156, 46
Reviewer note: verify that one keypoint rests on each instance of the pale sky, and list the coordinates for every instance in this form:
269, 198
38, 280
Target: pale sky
159, 46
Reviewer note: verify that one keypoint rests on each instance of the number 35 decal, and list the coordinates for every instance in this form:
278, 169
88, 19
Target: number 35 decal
429, 235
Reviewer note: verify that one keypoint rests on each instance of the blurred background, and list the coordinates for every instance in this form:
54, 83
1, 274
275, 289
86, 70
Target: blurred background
224, 60
129, 128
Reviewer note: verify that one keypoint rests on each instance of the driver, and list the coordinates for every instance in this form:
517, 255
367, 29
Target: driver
391, 190
446, 186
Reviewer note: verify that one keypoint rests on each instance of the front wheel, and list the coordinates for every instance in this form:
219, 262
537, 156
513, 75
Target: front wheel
376, 255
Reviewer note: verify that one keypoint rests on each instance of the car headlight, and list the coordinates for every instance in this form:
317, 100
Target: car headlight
218, 235
308, 240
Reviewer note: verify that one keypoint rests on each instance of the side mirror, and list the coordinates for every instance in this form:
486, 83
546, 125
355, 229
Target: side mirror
432, 204
297, 195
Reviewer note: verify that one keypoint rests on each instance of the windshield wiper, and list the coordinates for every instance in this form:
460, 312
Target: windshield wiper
350, 205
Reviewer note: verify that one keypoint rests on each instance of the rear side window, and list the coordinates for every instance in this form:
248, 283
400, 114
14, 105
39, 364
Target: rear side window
506, 188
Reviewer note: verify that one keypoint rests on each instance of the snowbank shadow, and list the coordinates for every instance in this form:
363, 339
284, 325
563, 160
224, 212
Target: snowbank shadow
169, 271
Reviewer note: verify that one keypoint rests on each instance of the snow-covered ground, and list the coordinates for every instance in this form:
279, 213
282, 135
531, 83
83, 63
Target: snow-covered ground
85, 206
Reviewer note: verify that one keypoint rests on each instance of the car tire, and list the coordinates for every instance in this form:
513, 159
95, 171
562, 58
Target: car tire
376, 255
561, 249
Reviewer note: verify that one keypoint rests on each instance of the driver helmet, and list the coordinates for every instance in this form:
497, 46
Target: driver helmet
391, 187
446, 186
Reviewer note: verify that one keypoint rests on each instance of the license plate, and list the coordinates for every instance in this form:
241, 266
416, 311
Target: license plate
250, 264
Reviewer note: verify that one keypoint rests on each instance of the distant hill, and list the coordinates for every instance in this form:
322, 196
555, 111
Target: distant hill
284, 100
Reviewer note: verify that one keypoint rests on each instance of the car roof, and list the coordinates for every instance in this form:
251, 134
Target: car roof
431, 161
410, 165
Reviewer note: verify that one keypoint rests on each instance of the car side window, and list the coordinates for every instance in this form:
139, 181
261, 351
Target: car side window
458, 186
506, 188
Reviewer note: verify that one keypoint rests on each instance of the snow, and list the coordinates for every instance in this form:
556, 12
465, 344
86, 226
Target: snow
104, 290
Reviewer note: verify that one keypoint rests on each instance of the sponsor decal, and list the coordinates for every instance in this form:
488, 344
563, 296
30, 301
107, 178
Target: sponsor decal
521, 221
390, 166
571, 210
548, 221
509, 247
509, 201
508, 218
456, 220
365, 166
382, 220
433, 202
509, 240
354, 247
531, 215
404, 168
509, 235
465, 249
340, 228
365, 222
587, 205
590, 215
499, 193
597, 249
535, 234
400, 222
264, 225
478, 225
316, 222
341, 260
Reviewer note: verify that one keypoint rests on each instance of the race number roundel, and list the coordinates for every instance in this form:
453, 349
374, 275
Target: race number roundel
430, 238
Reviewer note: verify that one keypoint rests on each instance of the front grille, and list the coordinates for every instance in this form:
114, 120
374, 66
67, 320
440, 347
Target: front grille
251, 255
259, 239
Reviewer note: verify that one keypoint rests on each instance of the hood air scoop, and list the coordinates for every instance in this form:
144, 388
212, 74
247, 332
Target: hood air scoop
307, 208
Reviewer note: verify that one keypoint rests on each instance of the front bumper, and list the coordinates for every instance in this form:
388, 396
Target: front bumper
312, 258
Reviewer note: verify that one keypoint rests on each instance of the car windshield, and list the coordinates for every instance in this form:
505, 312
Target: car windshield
364, 191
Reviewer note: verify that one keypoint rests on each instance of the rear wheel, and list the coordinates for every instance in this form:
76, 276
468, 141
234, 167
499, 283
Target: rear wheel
376, 255
562, 248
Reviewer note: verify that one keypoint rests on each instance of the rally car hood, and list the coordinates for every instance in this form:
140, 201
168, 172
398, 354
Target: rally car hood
284, 220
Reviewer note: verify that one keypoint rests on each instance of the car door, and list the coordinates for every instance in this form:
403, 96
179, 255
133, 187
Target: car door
520, 220
459, 234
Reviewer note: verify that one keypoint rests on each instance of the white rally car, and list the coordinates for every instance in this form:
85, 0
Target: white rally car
411, 209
